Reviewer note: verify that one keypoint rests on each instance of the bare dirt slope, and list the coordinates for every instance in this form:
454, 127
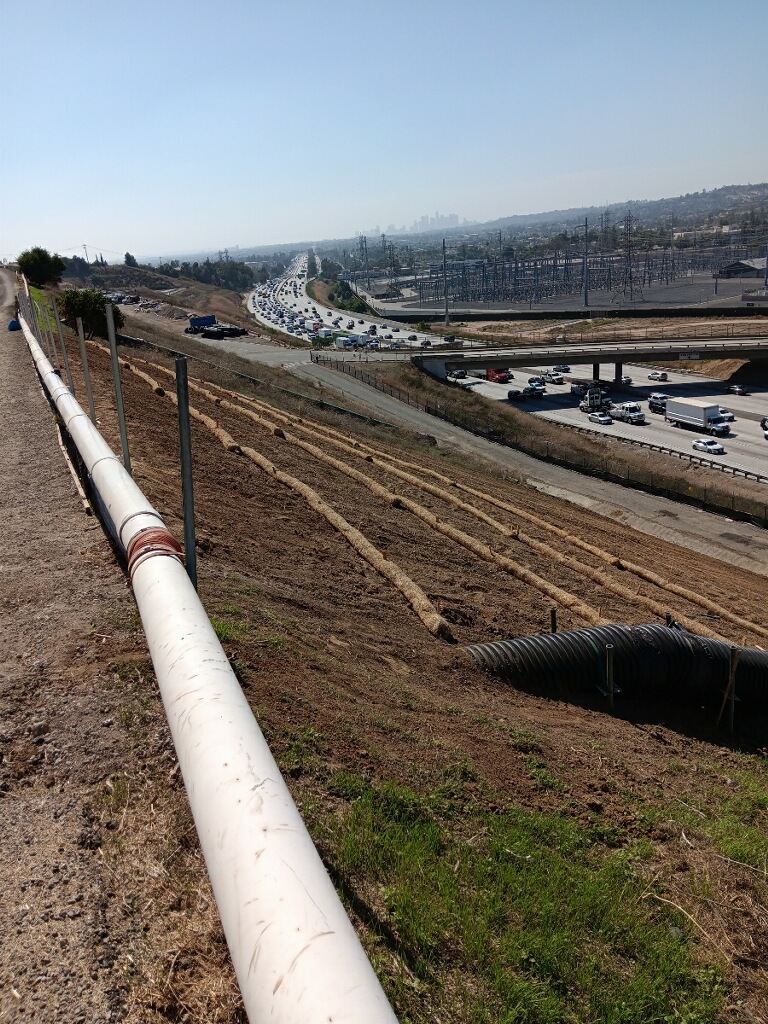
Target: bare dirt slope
341, 673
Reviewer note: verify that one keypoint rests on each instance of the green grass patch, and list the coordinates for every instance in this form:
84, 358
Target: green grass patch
552, 924
735, 818
229, 630
45, 312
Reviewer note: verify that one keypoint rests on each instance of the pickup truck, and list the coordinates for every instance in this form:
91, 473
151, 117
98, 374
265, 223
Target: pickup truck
629, 412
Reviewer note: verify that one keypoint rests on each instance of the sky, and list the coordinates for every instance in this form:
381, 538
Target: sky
161, 128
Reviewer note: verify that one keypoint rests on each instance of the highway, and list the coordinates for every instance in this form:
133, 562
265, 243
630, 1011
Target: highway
746, 448
273, 304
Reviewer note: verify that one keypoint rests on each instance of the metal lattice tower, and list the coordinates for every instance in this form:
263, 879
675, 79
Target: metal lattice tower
364, 259
628, 285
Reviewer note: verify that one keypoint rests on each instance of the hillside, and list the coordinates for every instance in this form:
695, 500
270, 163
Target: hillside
503, 854
731, 204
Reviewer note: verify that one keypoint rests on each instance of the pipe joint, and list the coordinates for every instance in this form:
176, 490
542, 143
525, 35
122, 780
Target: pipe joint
148, 544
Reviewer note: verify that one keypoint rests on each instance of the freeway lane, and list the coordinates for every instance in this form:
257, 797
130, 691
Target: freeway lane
746, 448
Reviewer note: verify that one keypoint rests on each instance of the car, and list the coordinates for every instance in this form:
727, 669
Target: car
726, 415
412, 337
394, 345
600, 417
426, 343
387, 337
457, 374
708, 445
515, 395
737, 389
562, 368
350, 324
657, 375
532, 391
536, 380
626, 379
448, 338
395, 330
554, 378
361, 321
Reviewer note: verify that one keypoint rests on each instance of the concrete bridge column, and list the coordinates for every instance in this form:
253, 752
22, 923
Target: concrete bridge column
617, 374
595, 371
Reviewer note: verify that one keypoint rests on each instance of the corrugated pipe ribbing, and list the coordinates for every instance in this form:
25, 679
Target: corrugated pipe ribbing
295, 952
650, 661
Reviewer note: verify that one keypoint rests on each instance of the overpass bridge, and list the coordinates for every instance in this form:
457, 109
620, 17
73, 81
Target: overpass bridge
439, 362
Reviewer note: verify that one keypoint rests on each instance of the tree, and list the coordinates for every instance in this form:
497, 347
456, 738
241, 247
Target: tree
88, 304
40, 268
130, 261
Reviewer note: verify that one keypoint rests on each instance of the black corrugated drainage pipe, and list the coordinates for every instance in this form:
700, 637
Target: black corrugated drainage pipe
649, 662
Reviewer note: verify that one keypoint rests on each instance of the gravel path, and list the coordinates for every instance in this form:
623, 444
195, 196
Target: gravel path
60, 740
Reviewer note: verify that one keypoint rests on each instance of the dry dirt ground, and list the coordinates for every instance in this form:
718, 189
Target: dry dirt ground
107, 908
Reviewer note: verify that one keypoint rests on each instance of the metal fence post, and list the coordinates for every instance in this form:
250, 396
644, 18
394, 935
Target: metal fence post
609, 673
86, 371
118, 388
63, 346
185, 442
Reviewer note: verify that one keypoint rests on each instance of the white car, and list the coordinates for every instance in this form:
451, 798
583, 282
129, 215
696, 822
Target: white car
657, 375
626, 379
708, 445
600, 417
726, 415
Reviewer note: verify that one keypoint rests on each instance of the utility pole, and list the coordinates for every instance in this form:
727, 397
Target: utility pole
445, 286
85, 250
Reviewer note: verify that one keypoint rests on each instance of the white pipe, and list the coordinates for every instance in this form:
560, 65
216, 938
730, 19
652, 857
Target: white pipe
296, 955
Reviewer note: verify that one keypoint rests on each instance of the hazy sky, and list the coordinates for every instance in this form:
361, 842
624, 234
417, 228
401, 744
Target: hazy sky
160, 128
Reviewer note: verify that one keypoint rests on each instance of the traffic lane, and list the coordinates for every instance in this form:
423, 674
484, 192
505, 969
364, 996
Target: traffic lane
678, 385
746, 448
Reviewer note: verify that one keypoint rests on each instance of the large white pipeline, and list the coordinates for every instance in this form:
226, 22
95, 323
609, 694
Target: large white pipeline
296, 955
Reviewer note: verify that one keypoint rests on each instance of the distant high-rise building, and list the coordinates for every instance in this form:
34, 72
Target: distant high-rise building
436, 223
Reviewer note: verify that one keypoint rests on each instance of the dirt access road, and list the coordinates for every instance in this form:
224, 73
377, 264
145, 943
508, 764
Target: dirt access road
343, 677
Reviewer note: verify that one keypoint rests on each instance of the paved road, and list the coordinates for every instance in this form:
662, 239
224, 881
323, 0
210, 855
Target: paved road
7, 294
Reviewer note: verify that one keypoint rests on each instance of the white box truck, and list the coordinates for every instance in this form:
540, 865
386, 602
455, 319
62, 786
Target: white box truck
695, 415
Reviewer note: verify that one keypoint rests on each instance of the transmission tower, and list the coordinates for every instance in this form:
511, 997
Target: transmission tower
364, 259
392, 268
627, 286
